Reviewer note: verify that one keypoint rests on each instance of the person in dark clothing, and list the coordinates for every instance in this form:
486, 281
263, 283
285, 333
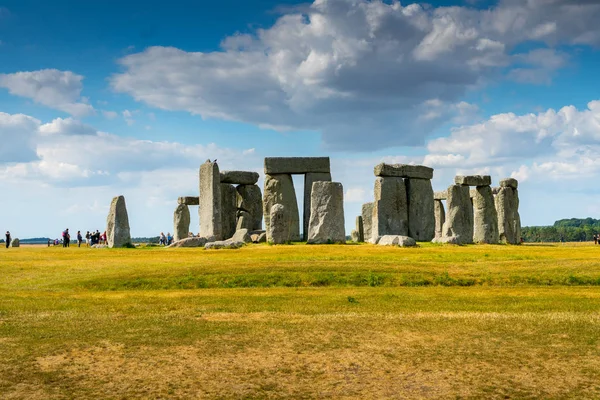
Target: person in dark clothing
79, 238
66, 237
7, 239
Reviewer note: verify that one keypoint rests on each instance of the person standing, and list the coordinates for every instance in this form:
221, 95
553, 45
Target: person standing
79, 238
7, 239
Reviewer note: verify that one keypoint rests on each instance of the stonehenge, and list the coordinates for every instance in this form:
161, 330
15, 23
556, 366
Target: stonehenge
181, 222
117, 224
327, 213
210, 209
458, 226
367, 221
507, 206
279, 190
485, 217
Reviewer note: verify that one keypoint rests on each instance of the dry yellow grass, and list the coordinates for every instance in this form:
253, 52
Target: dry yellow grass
75, 324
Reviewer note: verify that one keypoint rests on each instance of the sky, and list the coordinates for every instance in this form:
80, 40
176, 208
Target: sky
107, 98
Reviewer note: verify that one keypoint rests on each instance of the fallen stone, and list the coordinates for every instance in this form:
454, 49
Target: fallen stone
228, 209
259, 237
509, 182
279, 228
309, 179
190, 242
117, 224
360, 229
440, 217
421, 217
459, 215
241, 235
244, 220
390, 212
327, 214
447, 240
367, 218
485, 218
209, 210
279, 189
239, 177
15, 243
296, 165
223, 244
396, 240
473, 180
403, 171
440, 195
249, 199
189, 200
181, 222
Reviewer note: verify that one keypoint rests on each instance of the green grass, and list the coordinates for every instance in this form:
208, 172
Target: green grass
301, 322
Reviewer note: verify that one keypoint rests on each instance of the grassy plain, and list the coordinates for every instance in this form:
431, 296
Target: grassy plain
354, 321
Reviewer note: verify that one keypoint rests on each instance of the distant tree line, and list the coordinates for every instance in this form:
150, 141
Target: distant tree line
567, 230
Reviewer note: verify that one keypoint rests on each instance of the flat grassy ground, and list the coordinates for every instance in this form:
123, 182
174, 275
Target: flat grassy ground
354, 321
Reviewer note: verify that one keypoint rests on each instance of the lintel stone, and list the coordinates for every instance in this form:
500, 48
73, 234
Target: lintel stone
189, 200
509, 182
403, 171
296, 165
473, 180
441, 195
239, 177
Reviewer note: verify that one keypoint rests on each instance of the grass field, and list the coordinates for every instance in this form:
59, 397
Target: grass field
354, 321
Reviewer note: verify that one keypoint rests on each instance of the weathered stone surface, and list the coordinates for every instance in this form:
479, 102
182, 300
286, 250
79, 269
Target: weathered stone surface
239, 177
495, 190
367, 217
473, 180
259, 237
327, 213
390, 211
279, 228
296, 165
181, 222
440, 217
421, 217
403, 171
360, 229
244, 220
241, 235
228, 209
309, 179
249, 198
441, 195
396, 240
509, 220
190, 242
210, 211
223, 244
117, 223
15, 242
447, 240
485, 218
509, 182
459, 215
279, 189
189, 200
354, 236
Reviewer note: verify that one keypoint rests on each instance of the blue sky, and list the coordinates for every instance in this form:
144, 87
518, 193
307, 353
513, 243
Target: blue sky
101, 98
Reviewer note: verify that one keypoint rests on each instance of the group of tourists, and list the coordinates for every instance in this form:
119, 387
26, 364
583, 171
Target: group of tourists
91, 238
165, 240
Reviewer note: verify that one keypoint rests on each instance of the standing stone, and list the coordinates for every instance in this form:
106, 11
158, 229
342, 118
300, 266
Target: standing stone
458, 227
181, 222
278, 229
421, 217
209, 209
244, 220
249, 199
390, 215
228, 209
309, 179
279, 189
15, 243
367, 218
509, 221
440, 217
327, 213
117, 223
485, 218
360, 230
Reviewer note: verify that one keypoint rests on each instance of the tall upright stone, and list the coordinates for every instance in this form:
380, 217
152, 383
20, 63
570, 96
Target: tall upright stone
390, 211
279, 189
421, 217
440, 217
485, 218
209, 209
117, 223
181, 222
249, 199
367, 218
458, 227
327, 213
507, 207
278, 229
309, 179
360, 230
228, 209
